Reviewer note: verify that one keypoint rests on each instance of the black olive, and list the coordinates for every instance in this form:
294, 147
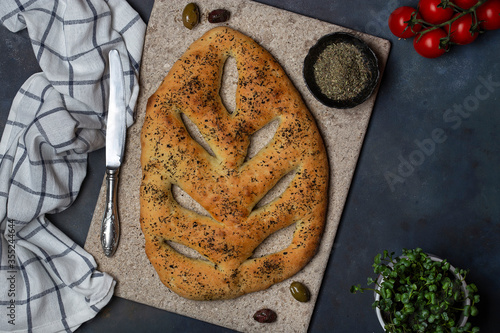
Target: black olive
218, 16
265, 316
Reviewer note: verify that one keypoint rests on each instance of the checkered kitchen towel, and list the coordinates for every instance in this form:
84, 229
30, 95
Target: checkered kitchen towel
47, 282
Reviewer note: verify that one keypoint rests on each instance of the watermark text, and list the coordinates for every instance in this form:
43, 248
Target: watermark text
453, 118
11, 273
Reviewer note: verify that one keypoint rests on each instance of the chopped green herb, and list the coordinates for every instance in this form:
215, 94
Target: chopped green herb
341, 72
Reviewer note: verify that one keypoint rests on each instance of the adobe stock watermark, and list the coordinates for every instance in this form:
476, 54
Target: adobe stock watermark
453, 118
11, 273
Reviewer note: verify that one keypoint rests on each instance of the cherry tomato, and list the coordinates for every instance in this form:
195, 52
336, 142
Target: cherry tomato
461, 30
432, 13
488, 15
429, 44
464, 4
397, 21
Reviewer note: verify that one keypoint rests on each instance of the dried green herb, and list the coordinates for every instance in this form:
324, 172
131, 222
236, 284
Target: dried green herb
341, 72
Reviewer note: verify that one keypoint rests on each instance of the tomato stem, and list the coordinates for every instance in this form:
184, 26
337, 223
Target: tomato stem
462, 12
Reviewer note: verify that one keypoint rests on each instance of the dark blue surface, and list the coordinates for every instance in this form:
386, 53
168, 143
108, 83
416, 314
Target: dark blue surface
447, 202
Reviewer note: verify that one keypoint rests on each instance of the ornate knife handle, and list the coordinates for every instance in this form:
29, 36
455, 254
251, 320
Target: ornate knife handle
110, 227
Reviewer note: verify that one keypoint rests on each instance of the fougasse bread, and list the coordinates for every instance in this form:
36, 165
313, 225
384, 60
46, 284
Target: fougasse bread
224, 182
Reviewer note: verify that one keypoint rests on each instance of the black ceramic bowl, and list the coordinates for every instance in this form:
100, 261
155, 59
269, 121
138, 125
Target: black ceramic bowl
369, 59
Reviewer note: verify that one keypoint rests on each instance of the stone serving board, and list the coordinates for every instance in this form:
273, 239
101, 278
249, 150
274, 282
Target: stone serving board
288, 37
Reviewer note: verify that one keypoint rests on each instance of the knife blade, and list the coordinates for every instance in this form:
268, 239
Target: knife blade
116, 128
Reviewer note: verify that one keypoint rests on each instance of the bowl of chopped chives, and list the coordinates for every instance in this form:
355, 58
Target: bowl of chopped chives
341, 70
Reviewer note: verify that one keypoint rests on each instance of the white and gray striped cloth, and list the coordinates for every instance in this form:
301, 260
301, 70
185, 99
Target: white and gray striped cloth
48, 283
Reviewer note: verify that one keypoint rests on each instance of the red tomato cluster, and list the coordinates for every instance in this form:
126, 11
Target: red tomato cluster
436, 24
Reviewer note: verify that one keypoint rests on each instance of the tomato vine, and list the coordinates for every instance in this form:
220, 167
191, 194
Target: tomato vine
435, 25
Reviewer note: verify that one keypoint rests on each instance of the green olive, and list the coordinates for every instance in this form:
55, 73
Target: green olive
300, 292
190, 15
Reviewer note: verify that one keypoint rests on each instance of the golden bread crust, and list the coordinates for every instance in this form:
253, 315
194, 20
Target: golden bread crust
227, 185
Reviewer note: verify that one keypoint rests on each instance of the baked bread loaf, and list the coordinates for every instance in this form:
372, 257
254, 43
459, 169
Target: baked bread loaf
223, 181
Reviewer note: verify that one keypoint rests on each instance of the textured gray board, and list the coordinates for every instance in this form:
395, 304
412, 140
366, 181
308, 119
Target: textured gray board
288, 37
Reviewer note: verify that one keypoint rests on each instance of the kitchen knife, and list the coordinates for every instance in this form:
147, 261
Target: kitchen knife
116, 129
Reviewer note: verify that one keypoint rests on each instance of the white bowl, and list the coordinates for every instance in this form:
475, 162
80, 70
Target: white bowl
463, 319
